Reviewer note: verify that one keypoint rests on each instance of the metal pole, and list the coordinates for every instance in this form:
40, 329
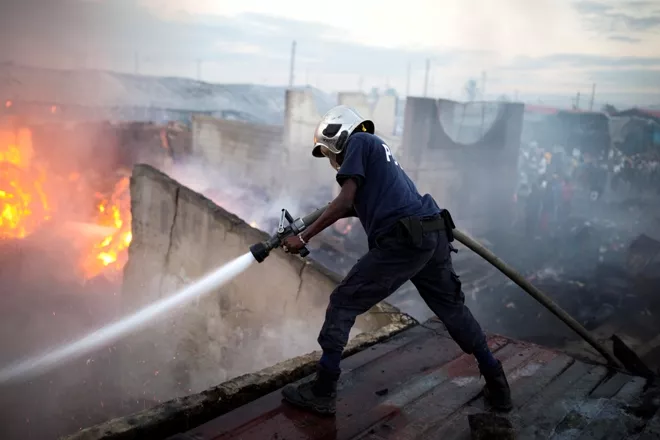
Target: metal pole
408, 81
536, 294
426, 77
293, 63
593, 95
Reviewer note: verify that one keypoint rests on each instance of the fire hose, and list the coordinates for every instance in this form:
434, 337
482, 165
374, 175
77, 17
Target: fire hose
260, 251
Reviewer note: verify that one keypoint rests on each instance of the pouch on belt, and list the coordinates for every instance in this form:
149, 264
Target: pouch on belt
416, 227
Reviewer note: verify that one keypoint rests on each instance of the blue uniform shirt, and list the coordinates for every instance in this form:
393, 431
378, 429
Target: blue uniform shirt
385, 192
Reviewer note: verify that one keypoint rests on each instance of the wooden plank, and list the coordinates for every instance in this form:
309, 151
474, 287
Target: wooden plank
358, 394
540, 417
610, 386
526, 381
426, 412
255, 409
402, 395
613, 422
652, 429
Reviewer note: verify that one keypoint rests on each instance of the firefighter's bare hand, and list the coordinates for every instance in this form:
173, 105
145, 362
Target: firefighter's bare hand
292, 245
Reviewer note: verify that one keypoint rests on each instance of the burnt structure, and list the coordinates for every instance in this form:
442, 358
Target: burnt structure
465, 155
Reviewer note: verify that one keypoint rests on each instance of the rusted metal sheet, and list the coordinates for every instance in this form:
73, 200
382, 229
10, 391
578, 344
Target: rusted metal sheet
420, 386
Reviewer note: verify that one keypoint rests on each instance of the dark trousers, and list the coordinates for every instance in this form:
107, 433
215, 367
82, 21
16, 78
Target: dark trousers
390, 262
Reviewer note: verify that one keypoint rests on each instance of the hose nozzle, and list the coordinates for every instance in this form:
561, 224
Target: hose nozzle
261, 250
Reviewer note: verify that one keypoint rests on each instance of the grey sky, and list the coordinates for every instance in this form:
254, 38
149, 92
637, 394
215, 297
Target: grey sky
538, 47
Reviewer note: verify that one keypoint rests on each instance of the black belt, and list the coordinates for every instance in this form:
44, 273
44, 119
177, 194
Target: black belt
430, 224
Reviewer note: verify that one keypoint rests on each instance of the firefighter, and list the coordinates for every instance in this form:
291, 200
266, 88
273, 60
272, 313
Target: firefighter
409, 238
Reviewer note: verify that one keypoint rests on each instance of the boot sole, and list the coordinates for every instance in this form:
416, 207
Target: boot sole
304, 404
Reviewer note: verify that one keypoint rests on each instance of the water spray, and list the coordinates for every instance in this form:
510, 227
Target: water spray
110, 333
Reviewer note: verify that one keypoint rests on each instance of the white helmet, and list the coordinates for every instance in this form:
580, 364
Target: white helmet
335, 127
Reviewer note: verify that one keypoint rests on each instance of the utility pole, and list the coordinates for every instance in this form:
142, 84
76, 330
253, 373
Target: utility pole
593, 95
199, 70
426, 77
483, 99
577, 101
293, 63
483, 85
408, 81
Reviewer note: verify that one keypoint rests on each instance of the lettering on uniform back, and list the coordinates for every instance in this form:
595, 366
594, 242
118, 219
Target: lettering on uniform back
389, 156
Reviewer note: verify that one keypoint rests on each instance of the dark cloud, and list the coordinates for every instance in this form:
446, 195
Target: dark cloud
591, 7
582, 61
113, 34
607, 19
623, 39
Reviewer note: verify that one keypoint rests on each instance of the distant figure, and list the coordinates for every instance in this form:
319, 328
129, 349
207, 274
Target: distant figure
409, 238
566, 203
533, 209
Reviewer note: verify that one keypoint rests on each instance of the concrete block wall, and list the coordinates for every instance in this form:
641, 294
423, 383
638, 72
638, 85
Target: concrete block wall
242, 150
382, 112
271, 312
475, 181
306, 175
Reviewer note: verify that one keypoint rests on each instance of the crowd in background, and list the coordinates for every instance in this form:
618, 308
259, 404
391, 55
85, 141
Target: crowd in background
549, 181
553, 180
638, 173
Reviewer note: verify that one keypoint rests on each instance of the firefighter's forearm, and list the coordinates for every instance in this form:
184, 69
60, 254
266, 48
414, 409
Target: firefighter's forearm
336, 210
351, 213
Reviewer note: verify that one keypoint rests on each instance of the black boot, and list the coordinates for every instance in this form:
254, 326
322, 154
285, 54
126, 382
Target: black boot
318, 395
497, 392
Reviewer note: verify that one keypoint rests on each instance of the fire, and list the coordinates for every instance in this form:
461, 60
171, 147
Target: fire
23, 203
25, 186
110, 254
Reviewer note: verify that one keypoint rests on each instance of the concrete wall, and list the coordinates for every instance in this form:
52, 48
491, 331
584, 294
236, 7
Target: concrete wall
270, 313
382, 112
476, 179
242, 150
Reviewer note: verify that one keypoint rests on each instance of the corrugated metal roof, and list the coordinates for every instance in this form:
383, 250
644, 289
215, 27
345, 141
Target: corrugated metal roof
96, 88
641, 112
547, 110
419, 385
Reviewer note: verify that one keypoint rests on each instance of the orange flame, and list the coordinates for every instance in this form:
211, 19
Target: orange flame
110, 254
23, 203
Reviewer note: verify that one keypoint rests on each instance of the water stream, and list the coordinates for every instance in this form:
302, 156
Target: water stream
104, 336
